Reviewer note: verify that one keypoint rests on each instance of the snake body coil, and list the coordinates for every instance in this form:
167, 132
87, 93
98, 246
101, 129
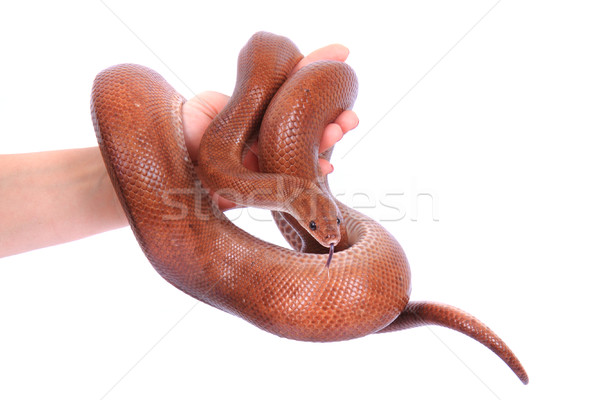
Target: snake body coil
137, 117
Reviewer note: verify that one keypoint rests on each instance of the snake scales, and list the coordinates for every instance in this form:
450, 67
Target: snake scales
296, 293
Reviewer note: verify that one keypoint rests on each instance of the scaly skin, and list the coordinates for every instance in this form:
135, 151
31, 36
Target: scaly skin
137, 117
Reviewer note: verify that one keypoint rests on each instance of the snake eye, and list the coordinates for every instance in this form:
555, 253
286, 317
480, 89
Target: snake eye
312, 225
338, 221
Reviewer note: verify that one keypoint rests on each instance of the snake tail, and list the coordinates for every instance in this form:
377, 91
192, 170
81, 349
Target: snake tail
421, 313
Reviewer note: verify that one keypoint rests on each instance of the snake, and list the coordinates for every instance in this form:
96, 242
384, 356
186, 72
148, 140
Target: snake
343, 277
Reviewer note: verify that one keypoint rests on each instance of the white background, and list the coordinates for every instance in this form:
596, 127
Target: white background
498, 128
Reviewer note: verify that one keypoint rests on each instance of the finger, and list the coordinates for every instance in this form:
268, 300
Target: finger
326, 166
223, 203
335, 52
347, 120
331, 135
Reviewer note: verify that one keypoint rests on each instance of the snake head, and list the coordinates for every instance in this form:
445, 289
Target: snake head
325, 229
320, 217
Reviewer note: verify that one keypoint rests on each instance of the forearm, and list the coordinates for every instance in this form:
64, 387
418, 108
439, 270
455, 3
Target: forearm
54, 197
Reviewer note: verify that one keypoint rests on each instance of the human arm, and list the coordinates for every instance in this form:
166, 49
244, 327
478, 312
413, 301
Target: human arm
54, 197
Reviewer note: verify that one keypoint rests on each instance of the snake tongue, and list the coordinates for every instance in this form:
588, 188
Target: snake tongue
330, 255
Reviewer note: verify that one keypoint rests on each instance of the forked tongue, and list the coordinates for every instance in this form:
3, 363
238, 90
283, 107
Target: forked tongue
330, 255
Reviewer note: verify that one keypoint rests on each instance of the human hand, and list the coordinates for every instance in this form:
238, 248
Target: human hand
199, 111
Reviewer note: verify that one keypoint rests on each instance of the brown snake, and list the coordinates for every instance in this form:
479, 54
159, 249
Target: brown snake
290, 293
